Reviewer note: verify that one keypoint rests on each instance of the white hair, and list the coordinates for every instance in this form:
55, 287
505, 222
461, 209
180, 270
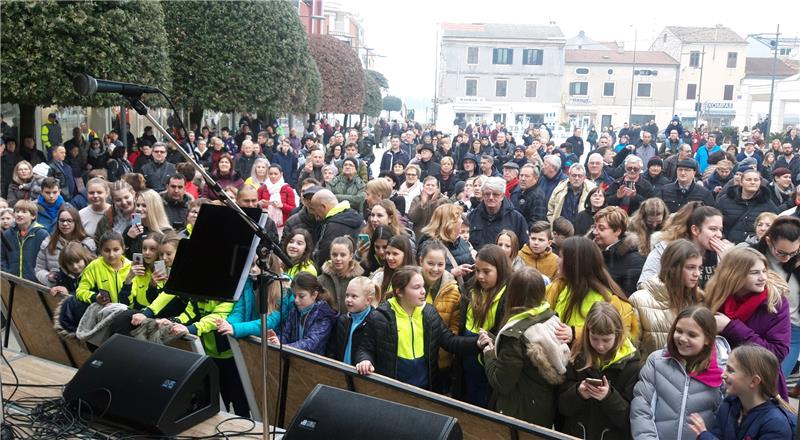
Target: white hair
631, 158
578, 167
496, 184
553, 160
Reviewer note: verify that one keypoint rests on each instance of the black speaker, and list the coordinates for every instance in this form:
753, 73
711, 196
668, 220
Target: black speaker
332, 414
145, 387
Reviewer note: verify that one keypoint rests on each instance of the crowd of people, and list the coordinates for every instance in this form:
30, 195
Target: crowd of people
617, 289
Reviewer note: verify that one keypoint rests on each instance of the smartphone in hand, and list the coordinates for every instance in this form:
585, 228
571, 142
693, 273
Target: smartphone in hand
136, 219
160, 266
594, 382
138, 259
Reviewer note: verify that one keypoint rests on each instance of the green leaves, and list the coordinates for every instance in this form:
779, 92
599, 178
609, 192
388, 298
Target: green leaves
372, 100
392, 104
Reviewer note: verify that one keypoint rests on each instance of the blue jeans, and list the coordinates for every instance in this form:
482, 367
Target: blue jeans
794, 350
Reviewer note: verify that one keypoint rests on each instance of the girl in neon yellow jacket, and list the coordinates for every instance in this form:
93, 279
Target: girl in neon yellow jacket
103, 278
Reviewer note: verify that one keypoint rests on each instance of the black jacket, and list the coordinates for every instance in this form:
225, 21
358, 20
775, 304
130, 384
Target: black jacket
244, 164
739, 216
157, 175
176, 211
447, 186
341, 333
675, 197
429, 168
577, 145
655, 182
624, 263
531, 204
643, 192
347, 222
484, 227
379, 344
302, 219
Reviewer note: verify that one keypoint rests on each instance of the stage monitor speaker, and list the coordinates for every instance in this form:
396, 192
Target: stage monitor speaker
332, 414
145, 387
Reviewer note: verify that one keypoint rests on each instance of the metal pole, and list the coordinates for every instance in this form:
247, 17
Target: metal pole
436, 81
772, 87
700, 86
633, 73
123, 125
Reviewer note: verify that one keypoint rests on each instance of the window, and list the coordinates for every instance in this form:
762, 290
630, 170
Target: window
608, 89
500, 87
643, 90
472, 55
503, 56
691, 91
610, 71
727, 95
580, 88
472, 87
532, 57
694, 58
530, 89
732, 56
785, 51
582, 71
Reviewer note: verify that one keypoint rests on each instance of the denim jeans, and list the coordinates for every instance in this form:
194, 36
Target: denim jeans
794, 350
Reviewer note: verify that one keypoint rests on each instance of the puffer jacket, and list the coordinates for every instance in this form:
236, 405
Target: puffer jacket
556, 203
379, 345
351, 190
768, 421
607, 419
341, 221
675, 197
666, 395
447, 301
484, 227
459, 249
524, 373
302, 219
336, 285
653, 308
337, 344
99, 275
624, 262
19, 253
47, 262
420, 213
546, 263
739, 216
317, 328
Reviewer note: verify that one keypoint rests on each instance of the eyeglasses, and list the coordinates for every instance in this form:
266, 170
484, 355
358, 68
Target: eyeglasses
66, 220
159, 152
411, 174
632, 169
489, 194
782, 254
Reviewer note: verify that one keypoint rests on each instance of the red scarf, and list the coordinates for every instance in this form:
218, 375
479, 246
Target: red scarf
742, 309
510, 185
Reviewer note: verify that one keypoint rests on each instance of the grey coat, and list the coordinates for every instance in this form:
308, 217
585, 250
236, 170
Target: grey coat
666, 396
47, 262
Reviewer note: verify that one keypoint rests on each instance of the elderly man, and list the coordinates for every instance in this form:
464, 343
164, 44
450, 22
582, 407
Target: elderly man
569, 197
685, 189
493, 214
348, 186
629, 191
551, 175
529, 201
670, 168
596, 171
338, 218
62, 172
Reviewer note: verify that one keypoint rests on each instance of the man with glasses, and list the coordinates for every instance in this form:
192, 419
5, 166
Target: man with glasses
569, 196
685, 189
671, 163
493, 214
158, 171
629, 191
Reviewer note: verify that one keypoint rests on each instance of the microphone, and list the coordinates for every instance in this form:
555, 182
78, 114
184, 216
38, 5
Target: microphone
86, 85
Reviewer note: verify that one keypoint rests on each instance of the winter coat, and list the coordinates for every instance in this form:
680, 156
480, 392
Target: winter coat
546, 263
643, 192
176, 210
244, 164
675, 197
781, 199
447, 302
23, 191
232, 179
337, 344
484, 227
116, 168
390, 158
769, 330
656, 181
340, 221
244, 318
739, 216
157, 175
380, 343
47, 262
447, 185
429, 168
531, 204
66, 181
288, 163
556, 203
336, 285
607, 419
624, 262
420, 213
525, 368
287, 199
99, 275
666, 396
547, 185
350, 190
655, 314
20, 253
317, 328
459, 249
302, 219
768, 421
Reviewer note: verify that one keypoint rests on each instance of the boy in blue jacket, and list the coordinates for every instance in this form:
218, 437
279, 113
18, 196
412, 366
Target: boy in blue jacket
22, 241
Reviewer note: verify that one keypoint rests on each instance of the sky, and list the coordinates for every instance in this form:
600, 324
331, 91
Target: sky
404, 33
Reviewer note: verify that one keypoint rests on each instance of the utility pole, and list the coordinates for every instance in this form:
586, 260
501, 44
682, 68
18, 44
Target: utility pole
700, 86
436, 81
772, 87
633, 72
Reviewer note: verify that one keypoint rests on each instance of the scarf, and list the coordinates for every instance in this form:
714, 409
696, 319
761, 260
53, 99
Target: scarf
510, 185
357, 318
743, 308
51, 208
95, 153
274, 189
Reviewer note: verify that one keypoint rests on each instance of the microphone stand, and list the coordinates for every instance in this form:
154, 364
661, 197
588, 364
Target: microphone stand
266, 245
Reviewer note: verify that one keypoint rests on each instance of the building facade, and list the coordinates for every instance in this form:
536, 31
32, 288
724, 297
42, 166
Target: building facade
610, 87
712, 66
499, 72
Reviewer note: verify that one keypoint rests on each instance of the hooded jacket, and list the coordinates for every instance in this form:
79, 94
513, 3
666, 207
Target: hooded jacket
484, 227
98, 275
624, 262
381, 340
447, 301
19, 253
317, 328
546, 263
349, 190
666, 395
768, 421
654, 310
340, 221
607, 419
739, 215
336, 285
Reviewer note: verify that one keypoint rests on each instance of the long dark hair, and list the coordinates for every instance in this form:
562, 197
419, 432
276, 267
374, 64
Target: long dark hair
382, 232
525, 291
480, 300
402, 243
309, 245
306, 281
671, 274
583, 269
78, 233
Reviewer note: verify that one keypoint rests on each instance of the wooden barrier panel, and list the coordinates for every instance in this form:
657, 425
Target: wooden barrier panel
32, 310
302, 371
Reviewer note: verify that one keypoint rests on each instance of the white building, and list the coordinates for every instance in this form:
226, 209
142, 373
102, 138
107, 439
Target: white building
499, 72
756, 87
598, 85
761, 46
712, 66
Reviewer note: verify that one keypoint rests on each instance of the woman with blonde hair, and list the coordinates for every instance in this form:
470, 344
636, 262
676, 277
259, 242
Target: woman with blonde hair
149, 216
259, 174
445, 226
384, 213
749, 304
651, 216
